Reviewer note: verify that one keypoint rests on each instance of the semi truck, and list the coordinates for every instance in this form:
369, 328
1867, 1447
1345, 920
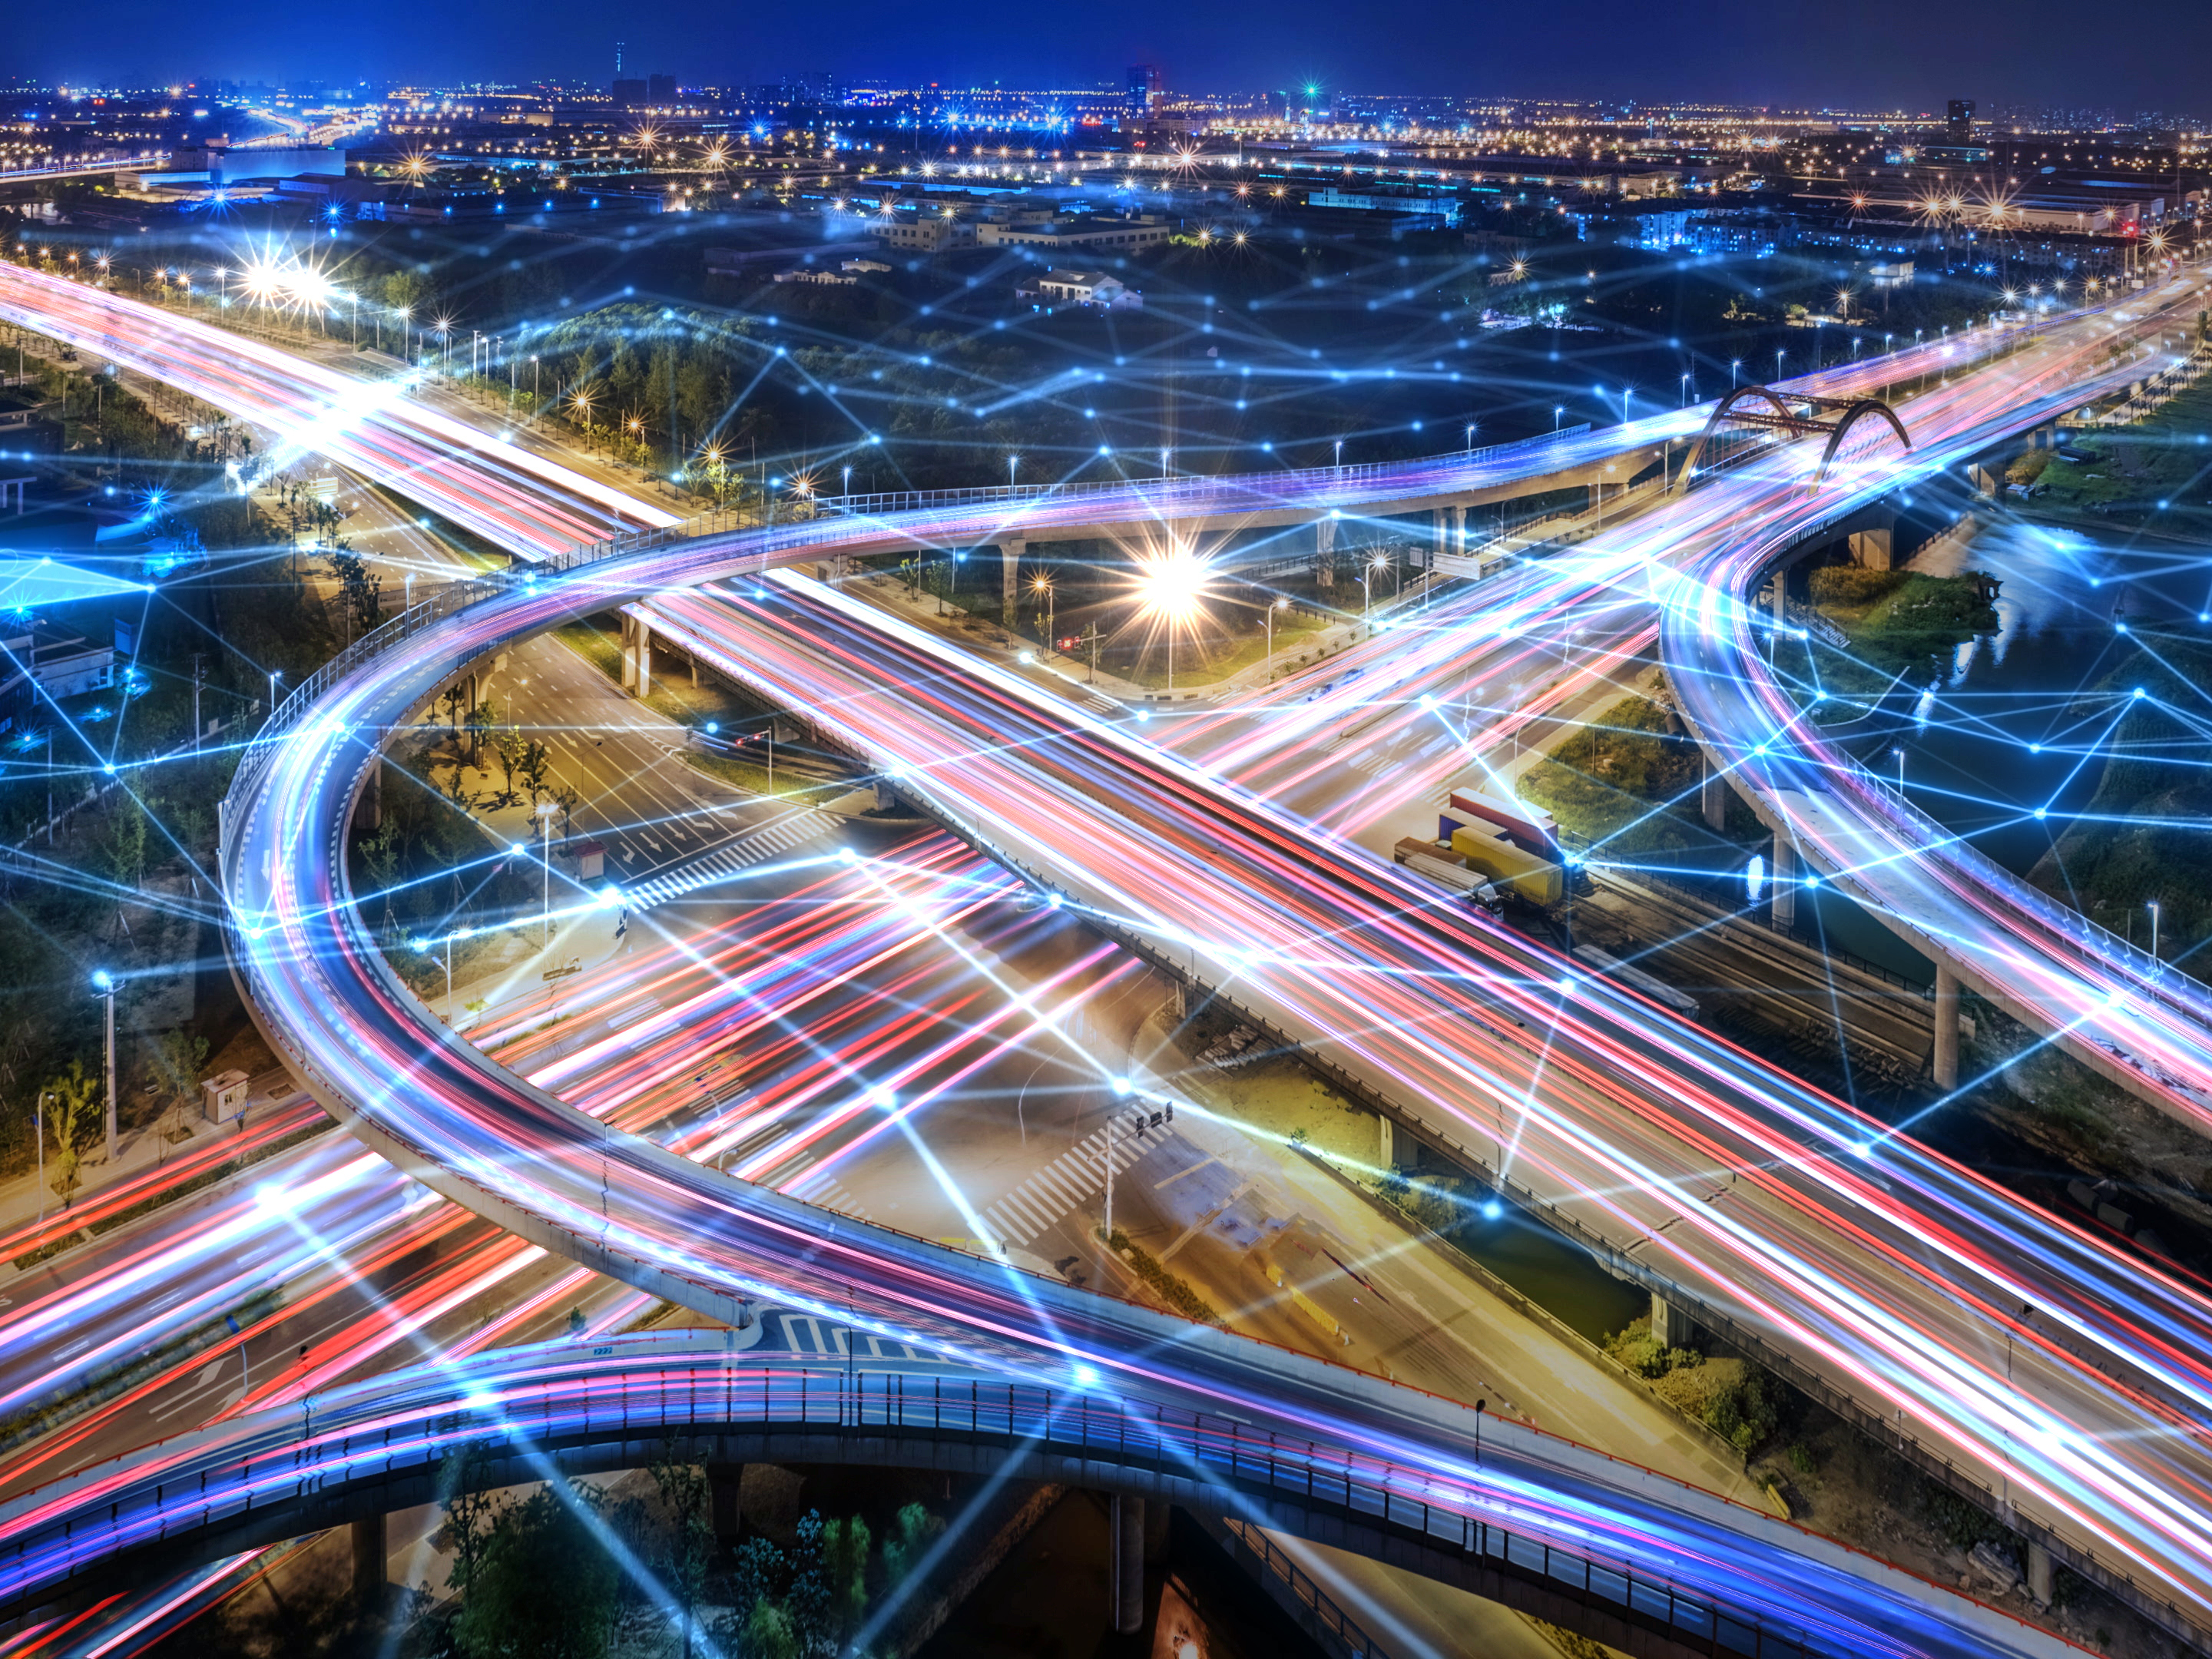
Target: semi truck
1434, 860
1513, 869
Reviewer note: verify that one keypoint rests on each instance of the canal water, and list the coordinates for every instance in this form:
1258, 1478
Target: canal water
2014, 722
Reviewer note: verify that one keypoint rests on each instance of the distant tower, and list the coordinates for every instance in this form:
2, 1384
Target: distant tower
618, 46
1958, 124
1143, 87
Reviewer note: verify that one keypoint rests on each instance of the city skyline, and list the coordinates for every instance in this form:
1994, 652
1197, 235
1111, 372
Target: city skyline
1607, 49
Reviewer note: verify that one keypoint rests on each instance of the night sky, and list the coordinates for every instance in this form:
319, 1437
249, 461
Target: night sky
1909, 53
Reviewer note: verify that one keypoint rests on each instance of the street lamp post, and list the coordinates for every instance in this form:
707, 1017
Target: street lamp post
1777, 362
2153, 908
103, 986
1735, 366
42, 1099
1280, 604
1685, 392
275, 675
545, 865
1559, 411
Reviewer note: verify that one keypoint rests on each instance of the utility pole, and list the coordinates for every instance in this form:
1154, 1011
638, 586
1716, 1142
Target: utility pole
199, 678
1110, 1181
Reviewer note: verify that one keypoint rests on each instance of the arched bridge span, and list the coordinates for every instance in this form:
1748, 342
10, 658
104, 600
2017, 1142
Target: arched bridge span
1542, 1539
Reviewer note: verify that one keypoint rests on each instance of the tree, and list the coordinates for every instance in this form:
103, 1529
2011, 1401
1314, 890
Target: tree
470, 1513
913, 1529
688, 1558
73, 1093
507, 748
845, 1546
177, 1057
123, 839
480, 719
809, 1600
452, 699
542, 1586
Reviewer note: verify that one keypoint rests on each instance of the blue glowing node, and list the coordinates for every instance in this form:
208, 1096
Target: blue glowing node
1121, 1085
1493, 1209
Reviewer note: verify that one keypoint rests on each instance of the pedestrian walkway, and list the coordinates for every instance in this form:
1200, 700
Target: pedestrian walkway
710, 868
1066, 1184
820, 1187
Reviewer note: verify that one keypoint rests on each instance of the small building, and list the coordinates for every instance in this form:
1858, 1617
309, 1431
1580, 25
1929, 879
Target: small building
816, 277
1090, 232
222, 1097
1093, 288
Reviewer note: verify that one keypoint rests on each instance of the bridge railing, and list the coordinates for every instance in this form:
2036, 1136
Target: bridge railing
216, 1481
1167, 490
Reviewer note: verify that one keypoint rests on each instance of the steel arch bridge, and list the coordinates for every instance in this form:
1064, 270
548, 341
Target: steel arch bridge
1794, 415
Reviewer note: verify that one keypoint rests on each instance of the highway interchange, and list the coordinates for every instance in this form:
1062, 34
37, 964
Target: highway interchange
1322, 941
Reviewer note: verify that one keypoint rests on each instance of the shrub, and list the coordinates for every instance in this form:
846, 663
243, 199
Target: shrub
1853, 584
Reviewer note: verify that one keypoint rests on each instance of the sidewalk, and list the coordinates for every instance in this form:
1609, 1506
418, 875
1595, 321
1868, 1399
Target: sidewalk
145, 1164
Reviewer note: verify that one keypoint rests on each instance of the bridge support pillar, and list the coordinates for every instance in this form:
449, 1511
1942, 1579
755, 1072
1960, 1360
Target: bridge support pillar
369, 1552
1669, 1329
1712, 796
1875, 547
1010, 561
1393, 1150
1458, 529
2039, 1575
1126, 1518
1945, 1063
1785, 885
1325, 553
636, 656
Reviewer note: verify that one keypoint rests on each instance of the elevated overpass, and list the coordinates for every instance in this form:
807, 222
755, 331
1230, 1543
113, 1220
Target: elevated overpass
1958, 1253
1573, 1536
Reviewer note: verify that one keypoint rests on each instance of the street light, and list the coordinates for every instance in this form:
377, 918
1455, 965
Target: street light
2153, 908
1172, 587
1043, 584
275, 675
1900, 753
1282, 604
1778, 363
1558, 412
1012, 461
545, 811
1685, 392
104, 988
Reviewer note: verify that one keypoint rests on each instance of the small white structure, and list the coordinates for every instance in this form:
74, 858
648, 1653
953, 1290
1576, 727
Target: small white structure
1085, 287
222, 1097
